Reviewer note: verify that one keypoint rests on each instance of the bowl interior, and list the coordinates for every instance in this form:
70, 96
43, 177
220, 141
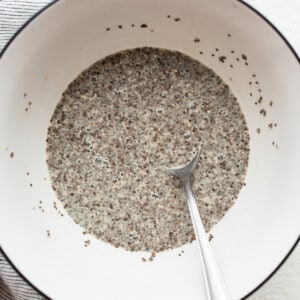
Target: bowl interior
70, 36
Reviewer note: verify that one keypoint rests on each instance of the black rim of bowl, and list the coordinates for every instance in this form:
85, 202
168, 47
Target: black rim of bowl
254, 11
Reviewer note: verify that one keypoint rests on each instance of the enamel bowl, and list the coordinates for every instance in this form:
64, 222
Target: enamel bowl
66, 38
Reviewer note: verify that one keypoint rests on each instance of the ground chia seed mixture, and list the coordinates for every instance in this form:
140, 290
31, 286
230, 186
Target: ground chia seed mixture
126, 118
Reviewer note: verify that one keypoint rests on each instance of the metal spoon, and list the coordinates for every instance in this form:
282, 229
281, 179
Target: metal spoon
214, 285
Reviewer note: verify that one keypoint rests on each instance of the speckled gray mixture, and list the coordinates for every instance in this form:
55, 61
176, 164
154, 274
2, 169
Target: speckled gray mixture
121, 122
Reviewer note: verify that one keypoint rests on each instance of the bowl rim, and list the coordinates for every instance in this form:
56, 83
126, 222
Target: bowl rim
251, 8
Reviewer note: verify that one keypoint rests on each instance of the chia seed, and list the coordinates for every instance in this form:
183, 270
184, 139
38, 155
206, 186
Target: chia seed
129, 201
263, 112
222, 59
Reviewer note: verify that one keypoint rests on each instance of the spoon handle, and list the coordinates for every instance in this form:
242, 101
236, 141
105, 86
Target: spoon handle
214, 284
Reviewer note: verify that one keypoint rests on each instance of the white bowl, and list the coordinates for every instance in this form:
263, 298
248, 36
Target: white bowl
257, 232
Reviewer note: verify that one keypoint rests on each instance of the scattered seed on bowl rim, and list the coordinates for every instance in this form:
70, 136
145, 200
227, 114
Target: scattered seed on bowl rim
48, 233
263, 112
210, 237
153, 255
222, 58
58, 211
125, 119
